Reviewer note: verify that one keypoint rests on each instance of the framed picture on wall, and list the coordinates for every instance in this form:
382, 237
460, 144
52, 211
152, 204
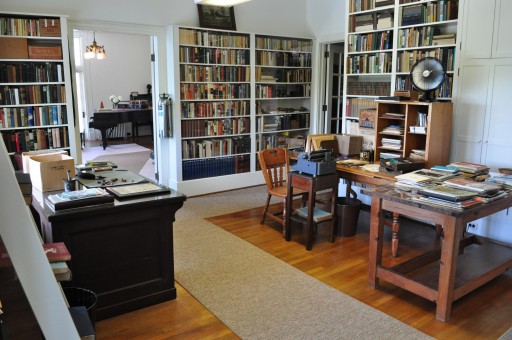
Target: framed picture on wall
217, 17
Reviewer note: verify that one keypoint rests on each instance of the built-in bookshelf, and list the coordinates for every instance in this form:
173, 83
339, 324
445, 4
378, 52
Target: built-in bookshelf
283, 90
215, 91
36, 111
384, 40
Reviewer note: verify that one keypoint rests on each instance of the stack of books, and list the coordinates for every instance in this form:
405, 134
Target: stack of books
79, 198
384, 20
471, 169
412, 180
417, 154
394, 130
468, 184
364, 22
444, 39
390, 143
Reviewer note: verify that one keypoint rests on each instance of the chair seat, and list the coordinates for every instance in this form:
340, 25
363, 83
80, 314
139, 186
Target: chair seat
282, 190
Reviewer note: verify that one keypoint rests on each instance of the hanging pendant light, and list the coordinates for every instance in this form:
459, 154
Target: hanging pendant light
94, 50
223, 3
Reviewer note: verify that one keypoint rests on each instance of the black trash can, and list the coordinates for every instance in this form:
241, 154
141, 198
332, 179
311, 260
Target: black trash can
347, 210
82, 297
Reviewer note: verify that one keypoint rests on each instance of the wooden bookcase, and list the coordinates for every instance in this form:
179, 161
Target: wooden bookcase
401, 118
384, 40
36, 110
234, 94
283, 89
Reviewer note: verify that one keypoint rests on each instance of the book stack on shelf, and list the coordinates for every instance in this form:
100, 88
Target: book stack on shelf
57, 254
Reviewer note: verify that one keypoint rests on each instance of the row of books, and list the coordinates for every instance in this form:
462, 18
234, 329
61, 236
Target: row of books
218, 127
369, 63
283, 91
206, 55
302, 75
423, 36
283, 59
203, 73
280, 44
430, 12
407, 59
13, 117
214, 91
29, 27
371, 21
31, 72
215, 147
37, 139
215, 109
285, 122
211, 38
213, 167
263, 108
403, 83
370, 42
33, 94
356, 105
368, 88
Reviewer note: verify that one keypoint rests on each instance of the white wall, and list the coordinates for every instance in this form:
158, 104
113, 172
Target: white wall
326, 19
284, 17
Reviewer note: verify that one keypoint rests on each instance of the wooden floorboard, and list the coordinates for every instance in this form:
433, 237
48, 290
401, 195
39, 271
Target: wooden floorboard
483, 314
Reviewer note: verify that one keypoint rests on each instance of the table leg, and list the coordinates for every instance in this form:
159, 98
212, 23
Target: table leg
311, 207
448, 268
376, 241
287, 210
395, 229
334, 197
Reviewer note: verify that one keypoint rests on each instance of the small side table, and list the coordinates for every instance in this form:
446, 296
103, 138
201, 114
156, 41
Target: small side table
311, 184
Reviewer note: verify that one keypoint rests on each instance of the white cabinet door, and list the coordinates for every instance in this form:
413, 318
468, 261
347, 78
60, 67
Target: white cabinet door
477, 29
470, 112
497, 141
502, 46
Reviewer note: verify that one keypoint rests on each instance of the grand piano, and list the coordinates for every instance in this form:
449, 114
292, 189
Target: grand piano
106, 120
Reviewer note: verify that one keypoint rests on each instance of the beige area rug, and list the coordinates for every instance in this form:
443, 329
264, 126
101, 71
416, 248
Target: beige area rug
257, 295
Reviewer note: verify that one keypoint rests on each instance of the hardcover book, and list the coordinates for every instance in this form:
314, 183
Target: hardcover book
471, 185
79, 198
318, 215
56, 252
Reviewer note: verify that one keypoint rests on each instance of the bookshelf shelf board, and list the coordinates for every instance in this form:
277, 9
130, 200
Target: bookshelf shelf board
281, 113
215, 117
215, 82
215, 47
446, 22
284, 98
31, 37
222, 156
369, 52
372, 31
391, 134
280, 51
361, 96
32, 60
211, 137
429, 47
214, 100
35, 104
34, 83
281, 83
280, 131
213, 64
373, 10
368, 74
33, 127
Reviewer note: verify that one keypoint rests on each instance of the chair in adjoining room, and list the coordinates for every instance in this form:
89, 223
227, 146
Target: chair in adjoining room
275, 165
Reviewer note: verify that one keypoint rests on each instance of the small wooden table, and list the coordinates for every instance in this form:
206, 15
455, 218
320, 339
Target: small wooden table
442, 275
311, 184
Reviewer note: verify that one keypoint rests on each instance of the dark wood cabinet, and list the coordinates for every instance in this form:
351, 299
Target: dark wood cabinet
122, 252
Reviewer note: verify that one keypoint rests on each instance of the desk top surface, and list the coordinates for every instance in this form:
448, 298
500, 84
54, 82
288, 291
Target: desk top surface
391, 193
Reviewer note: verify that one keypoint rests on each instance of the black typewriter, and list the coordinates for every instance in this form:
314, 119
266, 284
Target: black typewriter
315, 163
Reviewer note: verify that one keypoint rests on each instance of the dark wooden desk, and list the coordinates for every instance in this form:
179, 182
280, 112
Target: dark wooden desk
122, 252
105, 120
311, 184
442, 275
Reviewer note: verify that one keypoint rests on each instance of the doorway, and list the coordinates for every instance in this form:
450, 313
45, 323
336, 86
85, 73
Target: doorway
332, 88
131, 54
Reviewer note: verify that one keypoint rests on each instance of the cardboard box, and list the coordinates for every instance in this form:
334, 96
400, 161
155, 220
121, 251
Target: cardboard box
13, 48
27, 154
50, 27
47, 172
349, 145
44, 52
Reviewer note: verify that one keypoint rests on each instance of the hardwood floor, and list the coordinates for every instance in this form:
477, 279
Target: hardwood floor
482, 314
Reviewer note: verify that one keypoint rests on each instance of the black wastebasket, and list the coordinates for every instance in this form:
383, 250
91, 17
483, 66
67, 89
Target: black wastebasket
347, 210
82, 297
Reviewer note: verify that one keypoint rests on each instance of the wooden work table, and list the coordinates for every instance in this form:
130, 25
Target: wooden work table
357, 174
444, 275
